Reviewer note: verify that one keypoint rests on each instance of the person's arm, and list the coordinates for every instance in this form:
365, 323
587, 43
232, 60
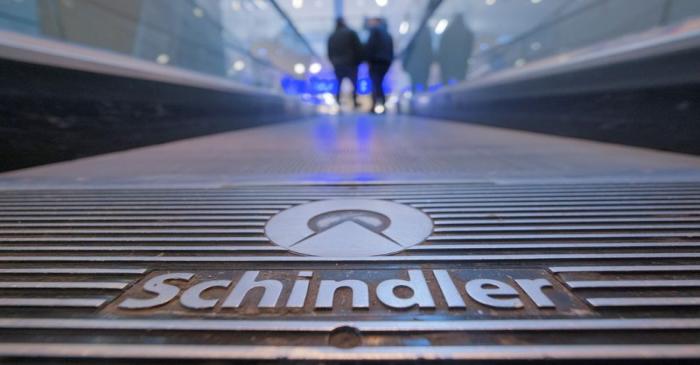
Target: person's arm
470, 42
357, 48
329, 49
391, 47
371, 45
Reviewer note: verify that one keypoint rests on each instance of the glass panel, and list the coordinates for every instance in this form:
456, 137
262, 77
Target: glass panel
505, 34
245, 40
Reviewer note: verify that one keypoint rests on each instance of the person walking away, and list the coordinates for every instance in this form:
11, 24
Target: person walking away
379, 53
417, 60
454, 50
345, 54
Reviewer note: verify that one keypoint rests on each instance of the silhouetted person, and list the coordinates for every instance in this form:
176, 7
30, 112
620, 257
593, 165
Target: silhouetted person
455, 49
418, 58
345, 53
379, 53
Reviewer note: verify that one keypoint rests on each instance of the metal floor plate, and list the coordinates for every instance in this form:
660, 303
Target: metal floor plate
393, 238
506, 272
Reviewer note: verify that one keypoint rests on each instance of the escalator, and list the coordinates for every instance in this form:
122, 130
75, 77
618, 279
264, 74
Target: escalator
153, 213
581, 251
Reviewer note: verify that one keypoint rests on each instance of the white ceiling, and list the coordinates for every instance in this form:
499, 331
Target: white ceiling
315, 19
493, 21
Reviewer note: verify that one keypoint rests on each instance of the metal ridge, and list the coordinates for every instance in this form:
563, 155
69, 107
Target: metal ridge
506, 352
608, 324
371, 259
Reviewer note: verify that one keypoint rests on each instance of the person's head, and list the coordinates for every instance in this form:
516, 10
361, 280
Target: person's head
339, 23
374, 22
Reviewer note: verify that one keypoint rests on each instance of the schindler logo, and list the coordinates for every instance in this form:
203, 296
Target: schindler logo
527, 291
349, 228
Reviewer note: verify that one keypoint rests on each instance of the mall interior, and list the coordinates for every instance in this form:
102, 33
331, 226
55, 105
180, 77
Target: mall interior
532, 167
88, 77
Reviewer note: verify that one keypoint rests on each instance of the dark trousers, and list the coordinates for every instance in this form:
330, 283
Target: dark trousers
349, 72
377, 72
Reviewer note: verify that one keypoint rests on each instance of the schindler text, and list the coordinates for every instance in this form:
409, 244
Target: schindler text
395, 289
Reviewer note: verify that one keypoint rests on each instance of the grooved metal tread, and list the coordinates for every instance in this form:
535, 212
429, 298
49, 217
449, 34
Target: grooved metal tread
620, 263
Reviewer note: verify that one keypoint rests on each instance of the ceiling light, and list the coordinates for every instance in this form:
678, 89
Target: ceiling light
382, 3
490, 2
536, 1
163, 59
299, 68
404, 27
198, 12
297, 4
441, 26
315, 68
236, 5
238, 65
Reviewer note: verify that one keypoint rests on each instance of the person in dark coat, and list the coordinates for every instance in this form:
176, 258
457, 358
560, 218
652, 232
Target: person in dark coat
418, 58
345, 54
454, 51
379, 53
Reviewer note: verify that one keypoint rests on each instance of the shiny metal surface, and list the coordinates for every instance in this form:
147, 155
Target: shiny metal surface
197, 282
359, 149
587, 251
399, 353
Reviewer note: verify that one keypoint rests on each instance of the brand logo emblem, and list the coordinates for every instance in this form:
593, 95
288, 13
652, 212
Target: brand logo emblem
349, 228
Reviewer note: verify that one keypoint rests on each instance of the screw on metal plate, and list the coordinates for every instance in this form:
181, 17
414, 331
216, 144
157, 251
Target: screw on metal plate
345, 337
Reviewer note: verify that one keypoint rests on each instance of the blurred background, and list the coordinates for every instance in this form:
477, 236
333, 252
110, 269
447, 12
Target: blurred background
281, 45
83, 77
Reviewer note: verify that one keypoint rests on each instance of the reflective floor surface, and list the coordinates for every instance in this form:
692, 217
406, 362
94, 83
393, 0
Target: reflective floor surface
361, 148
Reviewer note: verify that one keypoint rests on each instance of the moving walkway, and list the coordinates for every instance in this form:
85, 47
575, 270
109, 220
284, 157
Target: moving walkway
517, 217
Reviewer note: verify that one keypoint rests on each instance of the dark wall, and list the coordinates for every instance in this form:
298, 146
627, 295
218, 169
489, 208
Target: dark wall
666, 119
50, 114
649, 102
